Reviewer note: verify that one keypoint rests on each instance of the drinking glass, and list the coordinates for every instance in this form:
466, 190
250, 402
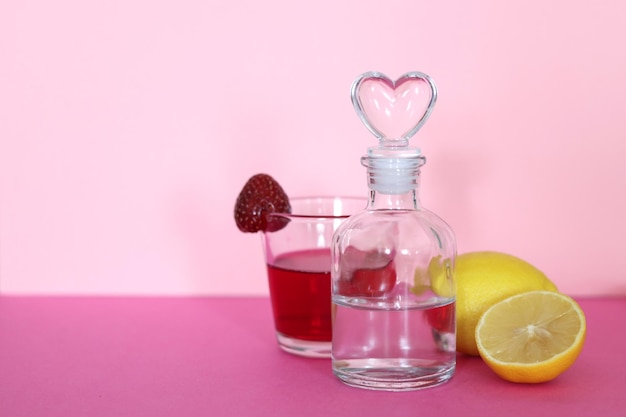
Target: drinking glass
298, 269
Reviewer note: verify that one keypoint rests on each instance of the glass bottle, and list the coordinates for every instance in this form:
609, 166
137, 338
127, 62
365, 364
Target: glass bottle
393, 290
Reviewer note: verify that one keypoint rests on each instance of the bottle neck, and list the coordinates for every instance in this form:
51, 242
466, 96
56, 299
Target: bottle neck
393, 182
409, 200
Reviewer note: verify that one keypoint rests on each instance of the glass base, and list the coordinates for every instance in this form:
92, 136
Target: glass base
391, 374
305, 348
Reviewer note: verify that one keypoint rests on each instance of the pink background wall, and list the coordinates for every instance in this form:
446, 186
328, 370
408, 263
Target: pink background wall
127, 129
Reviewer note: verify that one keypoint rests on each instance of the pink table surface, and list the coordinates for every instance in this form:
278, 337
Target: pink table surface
154, 357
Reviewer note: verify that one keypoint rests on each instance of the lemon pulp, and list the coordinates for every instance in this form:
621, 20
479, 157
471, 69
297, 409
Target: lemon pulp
531, 337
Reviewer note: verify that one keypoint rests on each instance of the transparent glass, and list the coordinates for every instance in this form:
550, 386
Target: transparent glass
393, 293
393, 289
298, 268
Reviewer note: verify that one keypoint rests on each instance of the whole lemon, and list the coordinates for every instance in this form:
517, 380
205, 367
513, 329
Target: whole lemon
485, 278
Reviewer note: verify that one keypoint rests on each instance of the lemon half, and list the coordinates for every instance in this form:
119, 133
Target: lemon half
532, 337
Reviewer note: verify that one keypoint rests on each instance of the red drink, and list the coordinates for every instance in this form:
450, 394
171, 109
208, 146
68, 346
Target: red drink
300, 289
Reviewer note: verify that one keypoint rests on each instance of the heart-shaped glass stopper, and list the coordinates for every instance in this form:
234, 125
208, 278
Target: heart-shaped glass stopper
394, 110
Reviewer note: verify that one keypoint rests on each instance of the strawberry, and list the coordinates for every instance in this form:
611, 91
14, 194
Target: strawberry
260, 197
